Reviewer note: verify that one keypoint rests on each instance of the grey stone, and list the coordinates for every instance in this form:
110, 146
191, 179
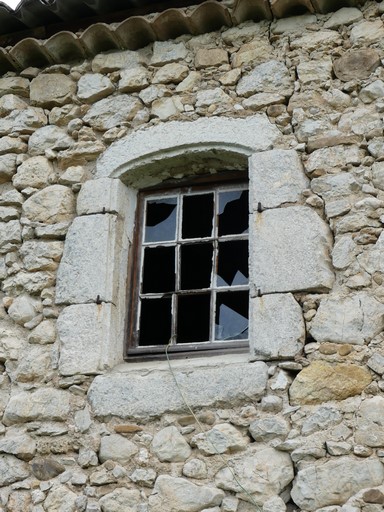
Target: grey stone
53, 204
165, 52
10, 236
268, 427
121, 500
355, 319
84, 332
312, 41
85, 273
60, 499
42, 404
324, 417
136, 395
378, 175
83, 420
170, 73
370, 423
367, 32
338, 448
195, 468
10, 102
23, 309
272, 77
337, 156
114, 111
144, 477
343, 252
73, 175
222, 438
165, 108
295, 239
20, 445
344, 16
35, 364
209, 97
170, 446
276, 177
176, 494
210, 57
262, 99
372, 91
36, 172
9, 196
131, 154
314, 72
48, 138
30, 282
274, 504
117, 448
292, 23
12, 145
38, 255
23, 122
315, 485
263, 473
7, 167
113, 61
376, 363
12, 470
361, 121
93, 87
277, 327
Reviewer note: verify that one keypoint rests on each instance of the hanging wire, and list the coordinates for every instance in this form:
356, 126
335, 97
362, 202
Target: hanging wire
232, 471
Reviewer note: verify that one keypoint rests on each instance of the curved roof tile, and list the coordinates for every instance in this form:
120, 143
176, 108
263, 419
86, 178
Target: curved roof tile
135, 31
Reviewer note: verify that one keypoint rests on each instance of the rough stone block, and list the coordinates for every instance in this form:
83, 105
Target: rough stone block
43, 404
87, 339
315, 485
86, 270
210, 57
165, 52
277, 327
289, 251
276, 177
142, 394
94, 87
272, 76
114, 111
354, 319
52, 90
51, 205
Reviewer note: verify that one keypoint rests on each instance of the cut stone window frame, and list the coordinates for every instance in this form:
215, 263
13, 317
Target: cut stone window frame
190, 271
289, 242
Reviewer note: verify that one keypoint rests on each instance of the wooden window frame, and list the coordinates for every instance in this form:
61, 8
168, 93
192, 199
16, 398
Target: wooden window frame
212, 182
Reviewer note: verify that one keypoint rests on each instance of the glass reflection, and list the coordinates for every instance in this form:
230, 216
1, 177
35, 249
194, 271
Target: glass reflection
233, 212
232, 263
161, 220
231, 321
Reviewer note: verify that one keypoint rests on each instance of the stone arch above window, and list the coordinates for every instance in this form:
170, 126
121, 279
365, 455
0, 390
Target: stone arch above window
92, 275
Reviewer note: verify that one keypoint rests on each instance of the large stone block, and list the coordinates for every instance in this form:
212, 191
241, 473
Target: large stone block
322, 382
142, 394
370, 423
87, 339
106, 195
276, 177
43, 404
51, 205
271, 76
114, 111
277, 327
316, 485
178, 142
86, 269
355, 319
52, 90
289, 251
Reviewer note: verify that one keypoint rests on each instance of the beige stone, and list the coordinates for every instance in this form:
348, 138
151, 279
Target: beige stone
36, 172
53, 204
133, 80
321, 382
171, 73
210, 57
14, 85
52, 90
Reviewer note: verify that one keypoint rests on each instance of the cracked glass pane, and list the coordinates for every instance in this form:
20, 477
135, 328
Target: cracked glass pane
233, 212
232, 263
161, 220
159, 270
155, 321
196, 266
231, 322
197, 216
193, 318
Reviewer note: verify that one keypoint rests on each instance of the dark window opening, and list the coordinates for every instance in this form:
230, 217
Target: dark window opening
192, 269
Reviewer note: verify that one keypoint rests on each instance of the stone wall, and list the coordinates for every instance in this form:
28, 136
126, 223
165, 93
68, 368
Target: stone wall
298, 428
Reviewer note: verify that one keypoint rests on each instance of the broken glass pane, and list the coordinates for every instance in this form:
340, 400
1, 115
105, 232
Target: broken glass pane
233, 212
196, 266
161, 220
197, 216
231, 322
155, 321
232, 263
159, 270
193, 318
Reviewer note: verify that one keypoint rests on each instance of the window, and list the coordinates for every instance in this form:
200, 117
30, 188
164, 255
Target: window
191, 270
